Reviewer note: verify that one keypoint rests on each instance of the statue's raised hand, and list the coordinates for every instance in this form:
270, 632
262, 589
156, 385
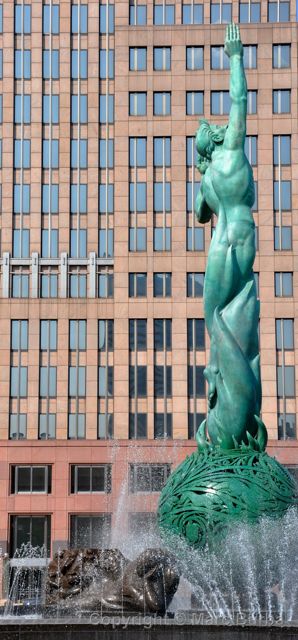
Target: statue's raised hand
233, 44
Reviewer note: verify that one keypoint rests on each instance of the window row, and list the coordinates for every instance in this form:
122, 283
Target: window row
51, 19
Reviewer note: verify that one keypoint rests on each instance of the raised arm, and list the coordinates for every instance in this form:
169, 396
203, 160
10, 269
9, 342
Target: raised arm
236, 131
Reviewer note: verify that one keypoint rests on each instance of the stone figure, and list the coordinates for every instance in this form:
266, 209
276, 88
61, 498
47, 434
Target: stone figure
103, 579
230, 300
229, 477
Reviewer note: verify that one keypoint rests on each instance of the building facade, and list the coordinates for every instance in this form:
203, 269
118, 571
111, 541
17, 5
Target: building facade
102, 335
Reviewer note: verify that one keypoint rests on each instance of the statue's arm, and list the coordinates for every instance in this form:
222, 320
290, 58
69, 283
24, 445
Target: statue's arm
236, 131
203, 212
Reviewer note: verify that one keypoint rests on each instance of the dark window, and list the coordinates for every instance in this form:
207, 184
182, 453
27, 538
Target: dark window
194, 421
137, 381
90, 531
137, 426
148, 477
138, 335
162, 335
162, 381
162, 285
137, 285
163, 426
195, 284
32, 530
196, 382
286, 426
90, 479
196, 334
34, 479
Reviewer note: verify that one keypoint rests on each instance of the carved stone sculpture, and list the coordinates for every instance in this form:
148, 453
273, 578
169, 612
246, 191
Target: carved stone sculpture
230, 476
103, 579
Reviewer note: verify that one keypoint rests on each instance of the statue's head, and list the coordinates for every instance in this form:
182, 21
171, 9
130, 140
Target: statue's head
208, 137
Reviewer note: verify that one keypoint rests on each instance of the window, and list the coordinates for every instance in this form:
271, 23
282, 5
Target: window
49, 243
192, 190
196, 334
22, 109
106, 154
286, 426
284, 330
1, 18
162, 239
48, 382
78, 198
106, 18
78, 243
79, 18
106, 64
50, 23
221, 13
76, 426
162, 334
1, 56
251, 149
140, 522
90, 531
282, 196
106, 335
161, 58
195, 239
105, 285
162, 152
77, 335
281, 56
252, 102
162, 381
48, 335
219, 59
161, 103
32, 530
196, 382
137, 197
21, 243
106, 198
192, 13
22, 64
281, 150
194, 58
79, 109
137, 381
47, 426
106, 243
250, 56
90, 479
137, 239
194, 421
35, 479
283, 284
137, 152
77, 382
78, 282
137, 426
278, 11
137, 13
79, 154
50, 64
79, 64
194, 103
163, 426
18, 381
49, 283
50, 109
106, 108
282, 238
50, 154
191, 152
281, 100
249, 12
137, 58
19, 335
137, 103
138, 335
285, 381
195, 284
147, 478
137, 285
20, 283
17, 426
105, 426
22, 18
164, 14
22, 154
106, 381
161, 196
21, 198
220, 103
162, 285
50, 198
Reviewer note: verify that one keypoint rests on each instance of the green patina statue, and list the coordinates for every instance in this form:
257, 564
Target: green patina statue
230, 476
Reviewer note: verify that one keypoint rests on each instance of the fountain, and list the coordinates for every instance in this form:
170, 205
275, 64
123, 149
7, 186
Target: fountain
228, 514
